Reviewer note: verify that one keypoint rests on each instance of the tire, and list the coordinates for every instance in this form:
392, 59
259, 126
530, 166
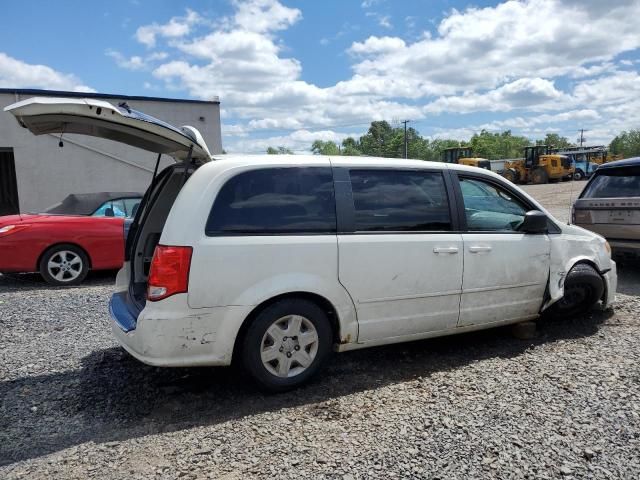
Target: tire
64, 265
578, 175
510, 174
583, 288
539, 175
292, 362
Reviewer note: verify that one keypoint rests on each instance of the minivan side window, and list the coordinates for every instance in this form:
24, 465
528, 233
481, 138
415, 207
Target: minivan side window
399, 200
488, 207
269, 201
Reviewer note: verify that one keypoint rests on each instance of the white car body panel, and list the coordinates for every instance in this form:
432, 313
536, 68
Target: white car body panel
498, 282
89, 116
400, 284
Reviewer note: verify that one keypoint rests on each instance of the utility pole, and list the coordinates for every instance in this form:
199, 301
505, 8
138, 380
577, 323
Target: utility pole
582, 139
405, 137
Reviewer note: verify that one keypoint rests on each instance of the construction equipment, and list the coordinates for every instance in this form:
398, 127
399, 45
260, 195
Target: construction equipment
539, 166
587, 159
464, 156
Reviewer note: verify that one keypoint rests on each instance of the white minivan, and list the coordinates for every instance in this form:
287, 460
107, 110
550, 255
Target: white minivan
275, 261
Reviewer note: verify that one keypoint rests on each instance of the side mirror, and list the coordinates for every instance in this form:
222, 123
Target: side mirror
108, 212
534, 222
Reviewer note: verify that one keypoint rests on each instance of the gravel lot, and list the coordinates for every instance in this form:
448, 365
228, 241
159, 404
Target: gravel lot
484, 405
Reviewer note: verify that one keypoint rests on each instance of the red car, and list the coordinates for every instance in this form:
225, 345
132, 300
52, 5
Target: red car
83, 232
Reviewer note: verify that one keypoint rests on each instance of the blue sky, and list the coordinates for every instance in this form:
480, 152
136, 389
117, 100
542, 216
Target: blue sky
288, 72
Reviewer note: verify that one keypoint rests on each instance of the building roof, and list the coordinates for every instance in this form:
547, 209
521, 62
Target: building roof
61, 93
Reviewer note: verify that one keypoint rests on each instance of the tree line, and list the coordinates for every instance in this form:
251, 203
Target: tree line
384, 140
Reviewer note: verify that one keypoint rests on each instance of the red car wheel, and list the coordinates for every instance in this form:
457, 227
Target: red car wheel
64, 265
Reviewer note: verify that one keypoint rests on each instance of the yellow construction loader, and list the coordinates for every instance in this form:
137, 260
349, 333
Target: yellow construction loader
464, 156
538, 166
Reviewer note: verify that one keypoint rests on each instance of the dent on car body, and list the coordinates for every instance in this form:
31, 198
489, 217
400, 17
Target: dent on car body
575, 245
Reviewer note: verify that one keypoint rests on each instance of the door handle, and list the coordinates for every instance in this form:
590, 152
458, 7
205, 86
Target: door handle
445, 250
480, 248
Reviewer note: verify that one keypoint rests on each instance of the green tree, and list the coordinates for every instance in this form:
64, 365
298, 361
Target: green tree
320, 147
498, 145
351, 147
554, 140
279, 151
376, 142
626, 144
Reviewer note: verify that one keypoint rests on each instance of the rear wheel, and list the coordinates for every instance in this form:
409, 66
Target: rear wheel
510, 174
578, 175
539, 175
286, 344
583, 288
64, 265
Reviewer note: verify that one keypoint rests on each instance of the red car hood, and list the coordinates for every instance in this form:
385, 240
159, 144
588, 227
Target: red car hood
18, 219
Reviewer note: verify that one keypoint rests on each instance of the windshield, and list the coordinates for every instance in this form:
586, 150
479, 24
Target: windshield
615, 183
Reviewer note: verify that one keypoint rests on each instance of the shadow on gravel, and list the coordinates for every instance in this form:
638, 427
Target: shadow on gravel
114, 398
629, 278
11, 282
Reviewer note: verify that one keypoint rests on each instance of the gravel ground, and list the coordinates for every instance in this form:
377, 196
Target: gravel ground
565, 404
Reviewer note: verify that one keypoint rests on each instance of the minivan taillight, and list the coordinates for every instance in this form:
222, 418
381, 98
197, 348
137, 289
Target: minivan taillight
169, 272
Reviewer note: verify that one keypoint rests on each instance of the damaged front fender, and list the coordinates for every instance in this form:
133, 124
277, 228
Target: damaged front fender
574, 245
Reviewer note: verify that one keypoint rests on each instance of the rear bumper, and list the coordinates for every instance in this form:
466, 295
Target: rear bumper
169, 334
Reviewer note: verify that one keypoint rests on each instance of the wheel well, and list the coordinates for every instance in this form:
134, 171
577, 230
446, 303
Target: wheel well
319, 300
58, 244
595, 267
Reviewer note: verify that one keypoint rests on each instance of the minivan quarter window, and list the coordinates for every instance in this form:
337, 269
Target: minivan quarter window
399, 200
268, 201
488, 207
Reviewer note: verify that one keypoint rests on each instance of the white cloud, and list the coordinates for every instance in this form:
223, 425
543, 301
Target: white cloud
298, 141
264, 15
483, 47
552, 61
19, 74
175, 28
377, 45
136, 62
532, 93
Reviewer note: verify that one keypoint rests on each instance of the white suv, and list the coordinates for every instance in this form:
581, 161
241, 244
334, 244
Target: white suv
275, 261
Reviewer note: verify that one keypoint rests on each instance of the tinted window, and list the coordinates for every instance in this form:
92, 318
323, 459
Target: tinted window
488, 207
275, 200
399, 200
619, 182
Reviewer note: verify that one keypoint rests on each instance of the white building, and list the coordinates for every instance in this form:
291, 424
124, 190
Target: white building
36, 173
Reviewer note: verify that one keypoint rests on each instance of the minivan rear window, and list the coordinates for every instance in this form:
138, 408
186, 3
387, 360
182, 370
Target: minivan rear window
399, 200
614, 183
268, 201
